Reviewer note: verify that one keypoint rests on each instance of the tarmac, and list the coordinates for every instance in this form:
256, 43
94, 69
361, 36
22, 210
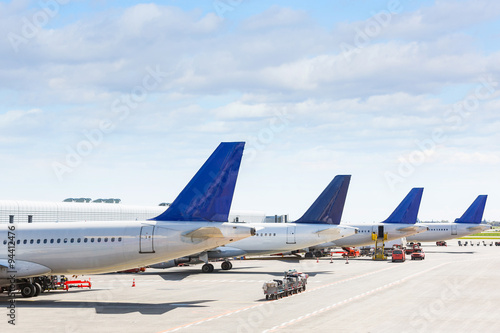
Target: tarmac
453, 290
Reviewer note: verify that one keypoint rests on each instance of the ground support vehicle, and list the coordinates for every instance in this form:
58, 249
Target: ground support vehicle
350, 252
398, 255
410, 249
418, 254
293, 282
76, 284
441, 243
134, 270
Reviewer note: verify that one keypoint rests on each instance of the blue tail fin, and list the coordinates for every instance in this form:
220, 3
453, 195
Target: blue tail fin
209, 195
329, 206
407, 210
474, 214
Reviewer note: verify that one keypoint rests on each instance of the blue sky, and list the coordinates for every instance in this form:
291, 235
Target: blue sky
127, 99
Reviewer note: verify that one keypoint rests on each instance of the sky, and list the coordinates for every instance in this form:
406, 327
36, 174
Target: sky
108, 99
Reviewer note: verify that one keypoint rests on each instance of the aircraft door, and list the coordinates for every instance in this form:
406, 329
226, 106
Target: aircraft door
290, 235
453, 229
380, 233
146, 239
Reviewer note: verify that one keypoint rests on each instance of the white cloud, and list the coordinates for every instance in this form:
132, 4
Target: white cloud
227, 80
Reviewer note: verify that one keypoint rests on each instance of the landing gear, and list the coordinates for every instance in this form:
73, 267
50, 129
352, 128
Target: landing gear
309, 255
318, 254
38, 289
28, 290
207, 268
226, 265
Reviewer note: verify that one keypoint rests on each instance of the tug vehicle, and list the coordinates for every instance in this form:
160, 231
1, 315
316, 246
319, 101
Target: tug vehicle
293, 282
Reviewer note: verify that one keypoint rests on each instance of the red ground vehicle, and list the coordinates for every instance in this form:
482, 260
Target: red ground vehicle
412, 247
441, 243
351, 252
418, 254
134, 270
398, 255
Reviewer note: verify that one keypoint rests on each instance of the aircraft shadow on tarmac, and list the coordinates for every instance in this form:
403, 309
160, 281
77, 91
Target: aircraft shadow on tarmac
177, 276
111, 307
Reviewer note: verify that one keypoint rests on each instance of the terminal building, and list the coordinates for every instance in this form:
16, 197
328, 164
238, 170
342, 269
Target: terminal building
84, 209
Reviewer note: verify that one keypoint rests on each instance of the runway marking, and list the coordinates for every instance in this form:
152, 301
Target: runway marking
229, 313
351, 299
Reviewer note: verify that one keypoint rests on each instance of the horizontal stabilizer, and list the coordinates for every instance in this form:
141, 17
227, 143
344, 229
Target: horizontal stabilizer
474, 214
205, 232
329, 231
407, 210
478, 228
329, 206
408, 229
208, 196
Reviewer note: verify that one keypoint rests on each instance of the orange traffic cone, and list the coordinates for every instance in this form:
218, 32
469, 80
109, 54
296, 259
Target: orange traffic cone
317, 260
133, 283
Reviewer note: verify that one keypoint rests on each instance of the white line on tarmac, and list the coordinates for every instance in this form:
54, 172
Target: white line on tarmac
201, 321
351, 299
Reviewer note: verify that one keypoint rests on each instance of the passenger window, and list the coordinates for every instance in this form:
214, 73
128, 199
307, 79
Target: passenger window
32, 241
38, 241
58, 240
52, 241
45, 241
119, 239
25, 241
85, 240
4, 242
106, 240
92, 240
18, 241
72, 240
78, 240
65, 240
99, 239
112, 239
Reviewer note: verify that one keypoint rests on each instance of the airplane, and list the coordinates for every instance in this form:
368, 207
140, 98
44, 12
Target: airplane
194, 222
401, 223
319, 224
469, 223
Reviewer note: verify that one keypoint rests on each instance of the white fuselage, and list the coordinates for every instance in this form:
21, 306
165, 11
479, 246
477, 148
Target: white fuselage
445, 231
100, 247
272, 238
365, 231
